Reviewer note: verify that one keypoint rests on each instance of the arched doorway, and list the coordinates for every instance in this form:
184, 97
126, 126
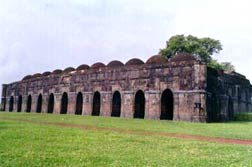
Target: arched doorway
213, 113
116, 104
64, 103
230, 108
20, 101
50, 103
139, 105
167, 105
11, 103
79, 103
28, 104
39, 104
96, 104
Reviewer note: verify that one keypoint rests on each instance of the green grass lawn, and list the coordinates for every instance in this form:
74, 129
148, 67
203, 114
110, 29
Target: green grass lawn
32, 144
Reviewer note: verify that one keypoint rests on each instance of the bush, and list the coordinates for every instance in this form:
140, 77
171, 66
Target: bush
243, 116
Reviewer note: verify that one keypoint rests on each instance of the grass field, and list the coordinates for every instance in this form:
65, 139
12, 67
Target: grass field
68, 140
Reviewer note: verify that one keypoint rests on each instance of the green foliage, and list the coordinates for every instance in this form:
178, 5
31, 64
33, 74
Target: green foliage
243, 116
227, 66
203, 47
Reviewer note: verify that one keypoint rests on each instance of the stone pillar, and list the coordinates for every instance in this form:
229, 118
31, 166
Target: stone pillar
4, 98
15, 103
176, 115
71, 103
23, 107
34, 103
106, 102
87, 103
127, 104
57, 103
7, 106
45, 101
152, 105
3, 104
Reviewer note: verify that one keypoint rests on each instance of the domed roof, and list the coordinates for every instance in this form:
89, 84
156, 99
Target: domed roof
183, 57
98, 65
115, 63
46, 73
36, 75
68, 69
58, 71
134, 61
83, 67
27, 77
157, 59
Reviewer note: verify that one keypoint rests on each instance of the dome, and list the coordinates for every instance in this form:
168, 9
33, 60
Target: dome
115, 63
68, 69
27, 77
134, 61
157, 59
36, 75
58, 71
46, 73
183, 57
98, 65
83, 67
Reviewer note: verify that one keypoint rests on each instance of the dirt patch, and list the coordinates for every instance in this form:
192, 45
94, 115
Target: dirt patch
143, 133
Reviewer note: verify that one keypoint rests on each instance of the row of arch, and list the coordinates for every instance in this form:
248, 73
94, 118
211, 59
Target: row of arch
167, 101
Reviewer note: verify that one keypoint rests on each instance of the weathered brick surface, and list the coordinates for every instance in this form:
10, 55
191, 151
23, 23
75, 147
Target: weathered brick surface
229, 93
191, 83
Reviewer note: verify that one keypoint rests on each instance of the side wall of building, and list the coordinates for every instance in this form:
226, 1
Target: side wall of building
228, 93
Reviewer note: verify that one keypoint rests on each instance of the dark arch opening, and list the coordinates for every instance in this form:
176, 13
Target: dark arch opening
28, 104
39, 104
116, 105
50, 104
167, 105
19, 106
64, 103
139, 104
11, 103
96, 104
213, 113
230, 109
79, 103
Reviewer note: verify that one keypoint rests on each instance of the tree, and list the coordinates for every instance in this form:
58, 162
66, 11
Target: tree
202, 47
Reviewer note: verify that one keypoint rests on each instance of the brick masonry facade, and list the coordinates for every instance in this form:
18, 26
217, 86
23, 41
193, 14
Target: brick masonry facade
182, 88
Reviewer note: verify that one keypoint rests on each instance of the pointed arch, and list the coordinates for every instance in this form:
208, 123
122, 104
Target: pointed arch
139, 106
116, 104
19, 105
79, 104
167, 103
39, 104
11, 103
29, 104
96, 104
50, 107
64, 103
230, 108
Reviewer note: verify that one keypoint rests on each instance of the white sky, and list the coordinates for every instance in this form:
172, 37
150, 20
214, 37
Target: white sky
43, 35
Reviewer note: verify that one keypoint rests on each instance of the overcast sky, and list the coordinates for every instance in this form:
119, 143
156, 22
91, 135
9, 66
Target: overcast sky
43, 35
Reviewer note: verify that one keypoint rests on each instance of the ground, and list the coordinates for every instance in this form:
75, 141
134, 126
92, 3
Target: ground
69, 140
